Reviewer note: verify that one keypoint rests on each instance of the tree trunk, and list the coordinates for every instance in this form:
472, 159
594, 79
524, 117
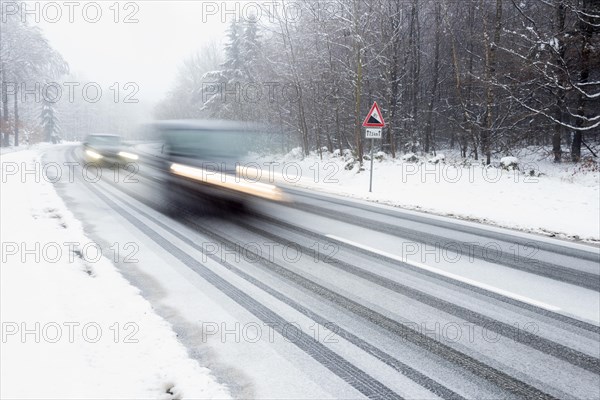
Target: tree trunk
436, 73
16, 117
329, 141
4, 89
467, 131
470, 125
415, 69
560, 101
338, 131
587, 30
394, 81
490, 72
357, 94
576, 145
358, 86
318, 129
556, 144
302, 126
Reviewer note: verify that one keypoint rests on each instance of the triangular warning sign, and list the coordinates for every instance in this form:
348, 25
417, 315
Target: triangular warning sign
374, 118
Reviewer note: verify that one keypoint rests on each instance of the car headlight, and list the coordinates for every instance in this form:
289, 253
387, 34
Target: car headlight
215, 178
93, 154
130, 156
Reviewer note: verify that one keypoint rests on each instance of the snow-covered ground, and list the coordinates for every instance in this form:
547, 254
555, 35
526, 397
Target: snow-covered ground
12, 149
560, 200
72, 326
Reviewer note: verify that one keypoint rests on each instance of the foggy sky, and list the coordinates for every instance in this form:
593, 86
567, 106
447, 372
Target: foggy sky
146, 52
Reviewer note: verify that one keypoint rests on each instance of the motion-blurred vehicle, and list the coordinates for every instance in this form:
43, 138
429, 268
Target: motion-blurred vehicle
205, 166
106, 149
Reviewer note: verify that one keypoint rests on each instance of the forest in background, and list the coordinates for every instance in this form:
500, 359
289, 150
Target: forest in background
26, 59
42, 100
482, 76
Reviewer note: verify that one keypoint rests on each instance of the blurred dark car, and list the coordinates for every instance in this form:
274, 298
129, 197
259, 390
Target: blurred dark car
107, 149
205, 164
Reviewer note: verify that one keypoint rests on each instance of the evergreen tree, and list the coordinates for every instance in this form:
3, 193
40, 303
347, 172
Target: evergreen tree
49, 120
226, 96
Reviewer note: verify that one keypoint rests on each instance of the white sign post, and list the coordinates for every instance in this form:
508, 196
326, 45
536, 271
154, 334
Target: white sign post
372, 133
374, 122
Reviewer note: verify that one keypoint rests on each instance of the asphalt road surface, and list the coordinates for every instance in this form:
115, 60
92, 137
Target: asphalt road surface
326, 297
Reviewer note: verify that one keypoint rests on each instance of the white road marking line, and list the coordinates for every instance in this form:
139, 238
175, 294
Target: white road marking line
450, 275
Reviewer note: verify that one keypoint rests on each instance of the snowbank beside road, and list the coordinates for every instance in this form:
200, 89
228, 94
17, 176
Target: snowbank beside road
541, 197
12, 149
72, 326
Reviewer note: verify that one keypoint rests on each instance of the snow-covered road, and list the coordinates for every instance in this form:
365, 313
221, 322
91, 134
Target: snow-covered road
328, 297
72, 327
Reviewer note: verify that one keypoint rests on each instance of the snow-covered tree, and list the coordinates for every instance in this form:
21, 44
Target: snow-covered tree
486, 76
225, 91
49, 120
26, 59
184, 100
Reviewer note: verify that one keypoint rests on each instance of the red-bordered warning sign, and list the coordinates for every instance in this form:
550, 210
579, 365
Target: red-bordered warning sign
374, 118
